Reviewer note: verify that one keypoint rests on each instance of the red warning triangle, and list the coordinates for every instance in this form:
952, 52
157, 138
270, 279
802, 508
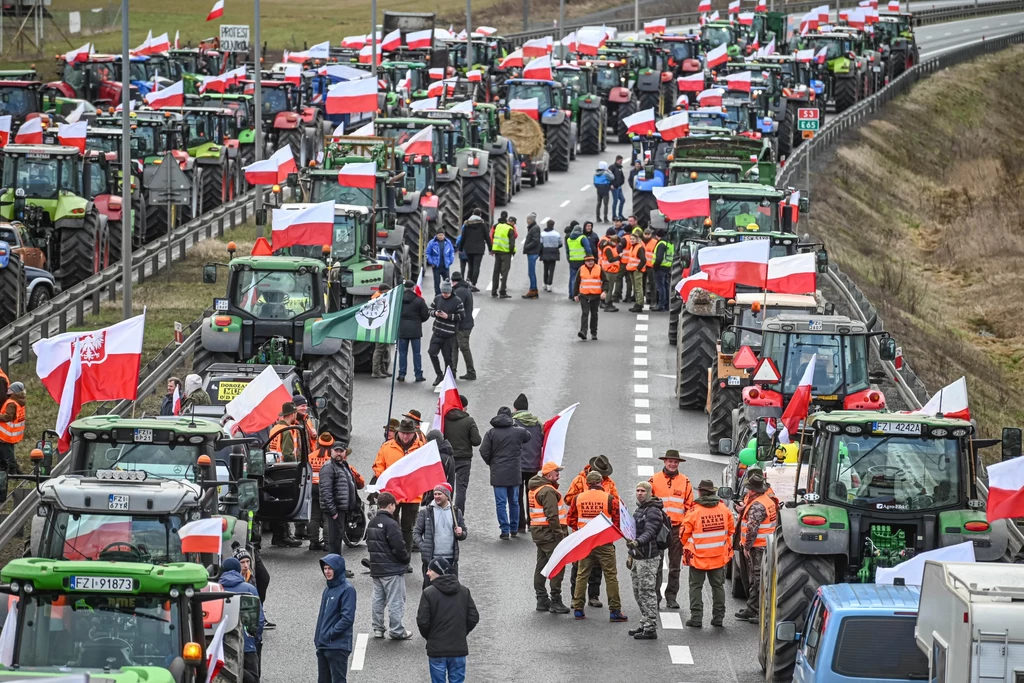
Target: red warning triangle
262, 247
744, 359
766, 372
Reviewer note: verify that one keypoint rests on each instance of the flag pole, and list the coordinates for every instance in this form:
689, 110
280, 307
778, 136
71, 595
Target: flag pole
394, 365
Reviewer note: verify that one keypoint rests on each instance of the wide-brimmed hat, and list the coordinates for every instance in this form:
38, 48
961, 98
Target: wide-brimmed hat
756, 482
601, 465
672, 454
707, 485
288, 409
325, 440
392, 424
407, 427
414, 415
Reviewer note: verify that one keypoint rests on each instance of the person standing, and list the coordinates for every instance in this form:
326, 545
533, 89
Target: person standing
592, 237
502, 451
601, 465
475, 243
532, 249
676, 493
707, 548
333, 634
503, 247
530, 457
167, 405
588, 505
447, 311
305, 419
587, 289
440, 256
611, 270
550, 252
410, 332
462, 433
282, 437
445, 617
577, 246
195, 395
603, 179
389, 562
756, 524
339, 482
319, 457
439, 528
12, 426
232, 580
645, 559
447, 455
636, 265
618, 197
548, 526
407, 439
380, 364
464, 329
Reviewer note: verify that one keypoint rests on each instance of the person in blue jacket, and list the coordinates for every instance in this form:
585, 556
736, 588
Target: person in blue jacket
440, 257
333, 636
232, 580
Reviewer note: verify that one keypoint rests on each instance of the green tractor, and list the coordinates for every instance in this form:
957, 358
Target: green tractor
500, 149
42, 189
407, 83
474, 162
210, 135
714, 34
588, 111
894, 33
653, 79
245, 121
554, 116
847, 72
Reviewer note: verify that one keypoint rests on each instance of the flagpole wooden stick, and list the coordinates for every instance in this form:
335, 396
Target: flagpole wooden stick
394, 364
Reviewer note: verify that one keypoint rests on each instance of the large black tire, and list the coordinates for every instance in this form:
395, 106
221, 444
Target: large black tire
40, 296
695, 352
414, 230
115, 230
333, 379
625, 109
604, 128
643, 204
846, 93
203, 358
786, 130
503, 189
591, 133
291, 138
675, 304
651, 100
246, 156
738, 569
559, 143
234, 656
213, 177
78, 251
362, 356
723, 400
156, 221
449, 207
12, 291
478, 193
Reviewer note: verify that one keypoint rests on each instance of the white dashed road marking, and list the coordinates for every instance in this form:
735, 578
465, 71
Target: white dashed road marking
671, 620
680, 654
643, 436
639, 349
642, 316
640, 337
564, 204
644, 471
640, 327
359, 655
642, 419
639, 374
640, 388
639, 361
584, 188
642, 452
641, 403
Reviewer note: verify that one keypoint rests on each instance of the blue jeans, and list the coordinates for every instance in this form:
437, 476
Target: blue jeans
440, 273
661, 281
332, 666
506, 501
403, 363
447, 669
531, 268
573, 267
618, 202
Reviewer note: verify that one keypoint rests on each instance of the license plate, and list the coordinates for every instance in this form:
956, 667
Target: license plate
220, 304
733, 381
751, 238
896, 427
814, 325
120, 584
229, 390
117, 502
877, 69
144, 435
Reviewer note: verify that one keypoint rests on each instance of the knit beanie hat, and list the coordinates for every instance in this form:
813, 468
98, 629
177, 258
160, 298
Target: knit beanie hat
521, 402
446, 287
440, 566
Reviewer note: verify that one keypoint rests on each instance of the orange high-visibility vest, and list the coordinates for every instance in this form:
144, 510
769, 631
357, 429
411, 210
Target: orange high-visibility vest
593, 502
649, 246
707, 534
537, 516
318, 459
634, 258
606, 265
277, 433
675, 493
590, 280
767, 527
13, 432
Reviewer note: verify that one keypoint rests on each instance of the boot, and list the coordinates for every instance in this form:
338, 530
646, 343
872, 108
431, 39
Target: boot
717, 621
300, 531
634, 631
636, 309
531, 294
695, 623
646, 635
595, 602
557, 607
283, 538
617, 616
543, 603
671, 603
747, 615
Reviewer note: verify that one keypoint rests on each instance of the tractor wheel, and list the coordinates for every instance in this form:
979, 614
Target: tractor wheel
203, 358
723, 400
643, 204
355, 527
78, 252
234, 656
789, 581
675, 304
449, 207
12, 291
40, 296
291, 138
503, 189
333, 379
112, 254
625, 109
695, 352
476, 194
558, 144
845, 94
785, 135
651, 100
156, 222
413, 229
591, 135
213, 187
604, 128
362, 356
671, 93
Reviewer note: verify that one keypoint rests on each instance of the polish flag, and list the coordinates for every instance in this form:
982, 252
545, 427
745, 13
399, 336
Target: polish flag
739, 82
1005, 490
555, 432
353, 97
714, 16
214, 84
821, 56
79, 55
312, 226
424, 104
513, 59
762, 6
809, 22
217, 12
73, 135
720, 55
712, 97
361, 175
448, 398
259, 404
417, 471
855, 18
538, 47
420, 144
805, 55
366, 55
161, 43
215, 653
235, 76
745, 263
704, 6
293, 74
693, 83
794, 206
796, 410
796, 274
640, 123
81, 367
756, 45
418, 289
596, 532
202, 536
364, 132
589, 40
392, 41
475, 75
539, 68
272, 170
747, 19
93, 533
823, 13
436, 74
486, 30
436, 88
465, 106
177, 37
950, 401
176, 400
171, 96
529, 106
419, 40
656, 26
734, 7
683, 101
702, 281
685, 201
144, 48
30, 133
769, 49
675, 126
569, 41
894, 5
844, 14
870, 17
5, 129
355, 42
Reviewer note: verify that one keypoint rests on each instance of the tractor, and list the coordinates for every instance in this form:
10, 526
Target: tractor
407, 83
683, 53
897, 43
20, 100
560, 132
612, 81
846, 74
287, 122
211, 138
588, 112
102, 173
714, 34
96, 79
25, 284
245, 121
653, 79
501, 150
798, 88
474, 162
653, 154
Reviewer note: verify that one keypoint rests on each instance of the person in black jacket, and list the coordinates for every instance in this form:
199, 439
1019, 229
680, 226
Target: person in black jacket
645, 559
447, 311
462, 290
618, 197
410, 331
388, 561
502, 451
550, 250
444, 448
445, 617
531, 455
462, 433
532, 248
337, 487
474, 242
166, 406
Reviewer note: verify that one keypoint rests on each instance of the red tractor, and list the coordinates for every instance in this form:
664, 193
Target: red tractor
97, 79
286, 119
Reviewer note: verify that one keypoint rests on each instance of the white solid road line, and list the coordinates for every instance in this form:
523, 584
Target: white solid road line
680, 654
671, 620
564, 204
359, 656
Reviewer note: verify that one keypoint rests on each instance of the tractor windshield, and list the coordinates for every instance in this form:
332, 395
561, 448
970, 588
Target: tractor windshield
325, 189
714, 36
608, 77
737, 117
416, 177
147, 140
836, 47
274, 294
525, 91
97, 631
275, 100
18, 102
201, 128
97, 182
343, 246
753, 319
402, 135
149, 539
893, 472
733, 214
570, 78
137, 70
103, 143
841, 367
172, 461
682, 51
42, 177
681, 176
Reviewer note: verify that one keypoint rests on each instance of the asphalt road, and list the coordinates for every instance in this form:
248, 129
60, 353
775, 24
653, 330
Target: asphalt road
624, 384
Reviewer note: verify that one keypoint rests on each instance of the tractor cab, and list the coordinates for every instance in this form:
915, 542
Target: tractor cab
207, 129
487, 51
714, 34
610, 74
401, 130
579, 81
683, 53
684, 172
277, 97
97, 79
241, 105
756, 157
20, 99
550, 94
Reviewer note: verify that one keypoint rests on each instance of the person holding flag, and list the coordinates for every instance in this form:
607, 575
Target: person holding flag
407, 439
586, 506
167, 406
548, 526
462, 433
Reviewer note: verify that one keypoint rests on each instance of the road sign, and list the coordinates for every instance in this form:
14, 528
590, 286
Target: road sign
234, 37
179, 333
898, 361
807, 134
807, 119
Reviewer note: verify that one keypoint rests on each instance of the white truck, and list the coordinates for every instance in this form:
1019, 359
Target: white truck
970, 623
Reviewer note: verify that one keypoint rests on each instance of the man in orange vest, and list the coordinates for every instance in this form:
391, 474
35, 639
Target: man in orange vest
587, 290
601, 465
611, 268
548, 526
706, 537
12, 426
676, 493
650, 244
636, 264
407, 439
756, 524
282, 439
317, 458
588, 505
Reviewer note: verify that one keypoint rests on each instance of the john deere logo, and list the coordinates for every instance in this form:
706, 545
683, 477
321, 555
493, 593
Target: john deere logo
374, 313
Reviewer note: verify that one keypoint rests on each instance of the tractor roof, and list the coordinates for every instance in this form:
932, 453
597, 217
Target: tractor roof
535, 81
154, 496
183, 426
745, 190
201, 110
281, 263
103, 132
339, 210
403, 65
823, 324
224, 96
721, 23
862, 416
52, 575
708, 165
776, 300
4, 83
407, 122
48, 150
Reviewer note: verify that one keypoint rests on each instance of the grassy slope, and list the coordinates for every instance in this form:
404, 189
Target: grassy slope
923, 208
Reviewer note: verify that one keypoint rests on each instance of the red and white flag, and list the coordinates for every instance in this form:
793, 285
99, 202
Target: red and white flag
655, 27
419, 40
1005, 490
475, 75
538, 47
366, 54
312, 226
675, 126
799, 403
805, 55
176, 400
215, 653
756, 46
794, 206
30, 133
448, 399
745, 263
809, 22
747, 19
437, 88
734, 6
769, 49
217, 12
720, 55
293, 74
821, 56
739, 82
702, 281
870, 17
589, 40
354, 42
714, 16
823, 14
79, 55
712, 97
418, 289
177, 41
272, 170
513, 59
424, 104
214, 84
684, 201
417, 471
692, 83
392, 41
486, 30
161, 43
81, 367
171, 96
73, 135
353, 97
93, 533
855, 18
259, 404
5, 129
796, 274
894, 5
529, 106
569, 41
704, 6
142, 49
202, 536
950, 401
539, 68
596, 532
436, 74
555, 432
422, 143
361, 175
640, 123
762, 6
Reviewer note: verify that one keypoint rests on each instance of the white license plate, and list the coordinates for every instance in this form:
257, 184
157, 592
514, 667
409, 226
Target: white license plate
814, 325
751, 238
220, 304
877, 69
733, 381
144, 435
120, 584
896, 427
117, 502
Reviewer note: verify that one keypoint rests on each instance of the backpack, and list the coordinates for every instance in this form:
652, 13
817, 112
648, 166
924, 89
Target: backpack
664, 532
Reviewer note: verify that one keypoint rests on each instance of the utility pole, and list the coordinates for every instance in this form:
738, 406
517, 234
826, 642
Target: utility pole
373, 38
526, 15
636, 16
257, 101
561, 19
126, 165
469, 35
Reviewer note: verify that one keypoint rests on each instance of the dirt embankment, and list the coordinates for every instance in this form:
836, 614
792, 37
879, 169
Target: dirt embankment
924, 208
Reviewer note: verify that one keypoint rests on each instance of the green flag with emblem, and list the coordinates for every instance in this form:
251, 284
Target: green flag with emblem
373, 321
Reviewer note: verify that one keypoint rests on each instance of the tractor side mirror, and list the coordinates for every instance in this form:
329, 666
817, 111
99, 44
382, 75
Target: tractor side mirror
261, 217
821, 259
209, 274
249, 612
257, 464
785, 631
248, 495
887, 349
684, 259
649, 172
805, 205
725, 492
725, 445
1011, 445
729, 341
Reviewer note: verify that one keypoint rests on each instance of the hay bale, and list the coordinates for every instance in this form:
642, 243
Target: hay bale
524, 132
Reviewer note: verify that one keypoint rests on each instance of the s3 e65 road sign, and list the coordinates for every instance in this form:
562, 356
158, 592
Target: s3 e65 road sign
807, 119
